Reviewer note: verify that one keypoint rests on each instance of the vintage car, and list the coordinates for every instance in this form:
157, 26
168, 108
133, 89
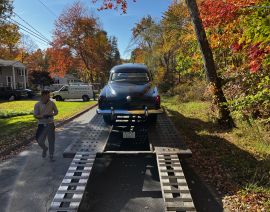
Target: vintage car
129, 92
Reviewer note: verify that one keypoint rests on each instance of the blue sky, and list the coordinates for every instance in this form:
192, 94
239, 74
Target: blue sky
112, 21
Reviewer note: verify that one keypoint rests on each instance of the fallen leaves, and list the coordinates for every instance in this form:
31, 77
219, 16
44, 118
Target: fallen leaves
248, 201
223, 163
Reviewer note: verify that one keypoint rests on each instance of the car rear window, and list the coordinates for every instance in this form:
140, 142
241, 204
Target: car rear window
130, 77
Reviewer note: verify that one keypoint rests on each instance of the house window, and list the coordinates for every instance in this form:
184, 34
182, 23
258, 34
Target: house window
9, 81
20, 71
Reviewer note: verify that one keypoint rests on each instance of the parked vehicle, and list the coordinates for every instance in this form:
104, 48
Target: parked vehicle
30, 93
54, 87
8, 93
130, 91
84, 92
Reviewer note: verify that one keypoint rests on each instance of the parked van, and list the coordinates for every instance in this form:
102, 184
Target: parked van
54, 87
84, 92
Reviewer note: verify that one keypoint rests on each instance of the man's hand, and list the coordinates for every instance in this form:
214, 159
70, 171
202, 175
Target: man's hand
38, 116
46, 116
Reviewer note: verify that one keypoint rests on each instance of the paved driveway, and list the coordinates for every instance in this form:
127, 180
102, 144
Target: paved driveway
28, 182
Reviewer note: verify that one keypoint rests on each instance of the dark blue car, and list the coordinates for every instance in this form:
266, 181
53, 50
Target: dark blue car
129, 92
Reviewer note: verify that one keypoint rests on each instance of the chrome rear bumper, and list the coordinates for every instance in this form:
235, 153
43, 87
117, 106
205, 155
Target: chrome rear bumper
144, 112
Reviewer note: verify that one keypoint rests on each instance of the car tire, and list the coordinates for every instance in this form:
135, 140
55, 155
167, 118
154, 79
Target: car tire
107, 119
58, 98
30, 96
12, 98
85, 98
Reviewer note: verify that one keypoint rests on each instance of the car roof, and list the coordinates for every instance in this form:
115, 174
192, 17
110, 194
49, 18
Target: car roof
130, 67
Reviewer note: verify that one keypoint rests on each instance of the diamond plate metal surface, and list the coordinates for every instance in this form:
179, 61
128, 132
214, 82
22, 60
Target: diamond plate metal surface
91, 139
165, 138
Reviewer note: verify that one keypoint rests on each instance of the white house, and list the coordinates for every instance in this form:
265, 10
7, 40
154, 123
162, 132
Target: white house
67, 79
13, 74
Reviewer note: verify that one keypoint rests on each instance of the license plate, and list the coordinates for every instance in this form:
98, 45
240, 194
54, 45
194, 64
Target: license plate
129, 135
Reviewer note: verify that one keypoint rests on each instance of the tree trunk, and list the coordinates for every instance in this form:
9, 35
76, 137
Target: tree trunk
209, 64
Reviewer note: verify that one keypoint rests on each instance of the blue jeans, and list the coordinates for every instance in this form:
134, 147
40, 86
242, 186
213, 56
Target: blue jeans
43, 132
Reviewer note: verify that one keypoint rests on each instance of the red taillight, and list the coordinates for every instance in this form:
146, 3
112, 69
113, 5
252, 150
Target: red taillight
158, 100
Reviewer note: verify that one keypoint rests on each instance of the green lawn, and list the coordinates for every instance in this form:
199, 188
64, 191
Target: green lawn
20, 123
16, 108
236, 162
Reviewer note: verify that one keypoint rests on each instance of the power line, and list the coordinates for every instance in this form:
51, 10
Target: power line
34, 35
34, 39
30, 33
21, 25
47, 8
30, 25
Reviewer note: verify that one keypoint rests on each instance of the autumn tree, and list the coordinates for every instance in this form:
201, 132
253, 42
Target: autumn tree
75, 29
41, 78
26, 47
6, 8
9, 38
60, 61
239, 35
114, 54
137, 55
37, 61
9, 33
158, 44
103, 52
146, 34
79, 32
209, 65
112, 58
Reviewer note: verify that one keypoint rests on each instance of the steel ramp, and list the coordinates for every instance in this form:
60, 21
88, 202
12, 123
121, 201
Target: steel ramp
92, 139
71, 190
164, 137
175, 191
167, 145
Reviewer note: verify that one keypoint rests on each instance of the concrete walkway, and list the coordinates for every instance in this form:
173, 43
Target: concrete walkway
28, 182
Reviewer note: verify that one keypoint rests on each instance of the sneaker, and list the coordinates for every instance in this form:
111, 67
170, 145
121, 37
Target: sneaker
44, 152
51, 158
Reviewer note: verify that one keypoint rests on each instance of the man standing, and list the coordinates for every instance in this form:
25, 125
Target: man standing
44, 111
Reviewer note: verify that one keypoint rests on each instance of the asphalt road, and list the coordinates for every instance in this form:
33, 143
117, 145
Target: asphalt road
117, 183
28, 182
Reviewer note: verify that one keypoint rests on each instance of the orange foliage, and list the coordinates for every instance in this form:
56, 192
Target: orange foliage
138, 55
220, 12
60, 61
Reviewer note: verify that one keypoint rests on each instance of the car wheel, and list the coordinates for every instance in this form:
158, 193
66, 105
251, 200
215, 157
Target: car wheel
30, 96
58, 98
12, 97
85, 98
107, 119
152, 119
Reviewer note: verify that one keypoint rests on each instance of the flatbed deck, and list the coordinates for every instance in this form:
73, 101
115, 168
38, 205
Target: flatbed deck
164, 144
